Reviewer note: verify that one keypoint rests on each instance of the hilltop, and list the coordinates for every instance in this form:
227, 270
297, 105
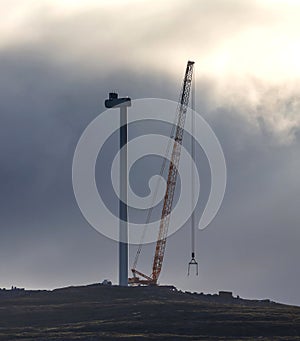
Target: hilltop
98, 312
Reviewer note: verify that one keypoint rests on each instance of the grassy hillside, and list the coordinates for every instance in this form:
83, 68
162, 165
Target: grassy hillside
105, 313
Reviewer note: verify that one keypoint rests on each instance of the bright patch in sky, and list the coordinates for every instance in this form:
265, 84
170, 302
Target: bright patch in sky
263, 44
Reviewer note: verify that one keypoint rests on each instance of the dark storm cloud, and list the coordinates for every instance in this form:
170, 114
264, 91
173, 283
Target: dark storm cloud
44, 110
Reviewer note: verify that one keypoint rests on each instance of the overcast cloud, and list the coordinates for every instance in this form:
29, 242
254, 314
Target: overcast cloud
58, 61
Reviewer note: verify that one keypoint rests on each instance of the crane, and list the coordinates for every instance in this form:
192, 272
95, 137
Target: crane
138, 276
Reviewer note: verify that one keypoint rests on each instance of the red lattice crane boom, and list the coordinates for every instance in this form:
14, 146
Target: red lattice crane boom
171, 184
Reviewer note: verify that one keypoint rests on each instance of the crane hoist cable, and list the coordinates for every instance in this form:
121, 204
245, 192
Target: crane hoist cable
170, 189
193, 261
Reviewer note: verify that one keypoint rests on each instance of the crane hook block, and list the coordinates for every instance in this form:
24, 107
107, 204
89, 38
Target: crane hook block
193, 263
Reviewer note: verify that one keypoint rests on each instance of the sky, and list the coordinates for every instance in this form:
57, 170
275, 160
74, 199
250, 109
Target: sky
59, 60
